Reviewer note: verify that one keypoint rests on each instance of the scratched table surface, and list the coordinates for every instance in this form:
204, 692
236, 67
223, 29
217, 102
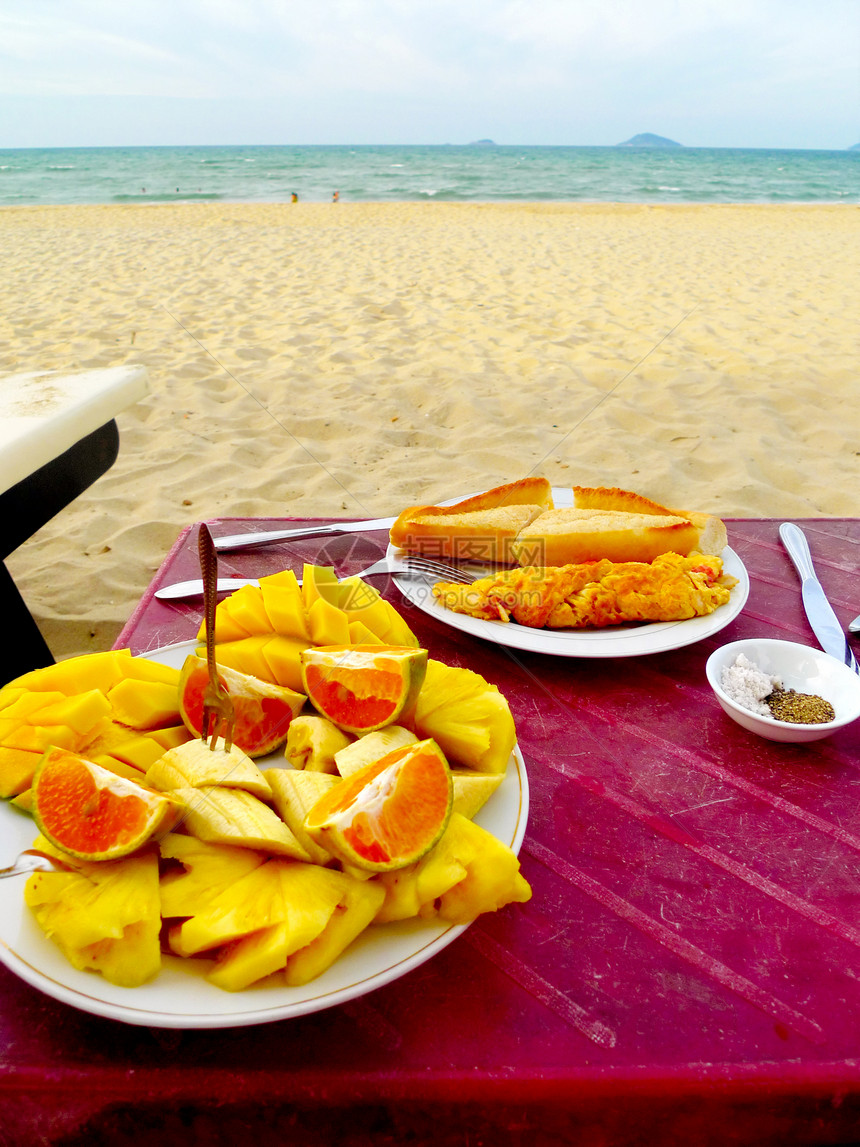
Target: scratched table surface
688, 970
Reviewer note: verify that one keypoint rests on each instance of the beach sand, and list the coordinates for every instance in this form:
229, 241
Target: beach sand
352, 359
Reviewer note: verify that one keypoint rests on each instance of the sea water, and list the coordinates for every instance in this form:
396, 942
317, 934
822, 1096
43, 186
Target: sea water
475, 173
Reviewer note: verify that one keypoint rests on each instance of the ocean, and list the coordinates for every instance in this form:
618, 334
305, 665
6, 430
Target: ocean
474, 173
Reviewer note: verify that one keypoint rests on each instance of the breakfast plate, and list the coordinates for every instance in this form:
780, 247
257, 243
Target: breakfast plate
615, 641
180, 996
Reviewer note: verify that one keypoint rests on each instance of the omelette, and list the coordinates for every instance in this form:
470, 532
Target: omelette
596, 594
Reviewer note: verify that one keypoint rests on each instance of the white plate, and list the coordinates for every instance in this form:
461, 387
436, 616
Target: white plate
615, 641
180, 997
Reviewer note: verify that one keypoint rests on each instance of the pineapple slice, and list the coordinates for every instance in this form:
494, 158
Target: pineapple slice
105, 917
295, 794
207, 869
360, 902
469, 872
472, 790
253, 902
129, 962
194, 764
493, 877
310, 896
301, 897
313, 741
409, 890
251, 958
467, 716
231, 816
371, 747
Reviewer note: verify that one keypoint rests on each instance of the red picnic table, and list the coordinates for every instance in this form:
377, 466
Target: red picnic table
687, 971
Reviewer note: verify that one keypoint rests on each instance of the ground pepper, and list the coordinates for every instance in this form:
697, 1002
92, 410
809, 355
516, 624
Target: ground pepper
799, 708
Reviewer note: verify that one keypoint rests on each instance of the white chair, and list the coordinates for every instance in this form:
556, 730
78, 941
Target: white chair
57, 436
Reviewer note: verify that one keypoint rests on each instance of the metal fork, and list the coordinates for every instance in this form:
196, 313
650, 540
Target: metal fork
422, 567
408, 564
34, 860
218, 715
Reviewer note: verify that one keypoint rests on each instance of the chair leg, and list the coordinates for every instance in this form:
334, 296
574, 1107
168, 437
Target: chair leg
24, 646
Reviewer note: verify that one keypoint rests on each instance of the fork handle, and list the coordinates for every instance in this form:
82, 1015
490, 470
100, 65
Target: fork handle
209, 570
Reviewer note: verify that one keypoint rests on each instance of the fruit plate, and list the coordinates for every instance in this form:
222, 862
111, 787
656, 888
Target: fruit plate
180, 997
615, 641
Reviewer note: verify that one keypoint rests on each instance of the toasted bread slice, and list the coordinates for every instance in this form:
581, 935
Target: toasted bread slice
524, 492
480, 535
712, 535
571, 536
481, 527
613, 498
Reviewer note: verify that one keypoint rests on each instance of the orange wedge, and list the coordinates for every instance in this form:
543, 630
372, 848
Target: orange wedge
92, 813
262, 711
389, 813
362, 688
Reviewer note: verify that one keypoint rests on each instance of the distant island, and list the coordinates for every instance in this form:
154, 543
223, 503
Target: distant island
646, 139
483, 143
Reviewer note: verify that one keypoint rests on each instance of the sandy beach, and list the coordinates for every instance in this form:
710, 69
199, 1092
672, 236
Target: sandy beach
352, 359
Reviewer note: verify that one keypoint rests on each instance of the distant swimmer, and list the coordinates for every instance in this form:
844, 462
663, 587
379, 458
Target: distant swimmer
335, 197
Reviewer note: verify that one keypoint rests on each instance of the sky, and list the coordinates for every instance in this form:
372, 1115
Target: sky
706, 73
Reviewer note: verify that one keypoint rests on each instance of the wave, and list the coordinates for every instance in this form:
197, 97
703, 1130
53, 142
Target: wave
165, 196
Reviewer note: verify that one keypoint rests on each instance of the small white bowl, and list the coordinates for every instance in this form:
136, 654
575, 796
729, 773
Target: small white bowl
799, 667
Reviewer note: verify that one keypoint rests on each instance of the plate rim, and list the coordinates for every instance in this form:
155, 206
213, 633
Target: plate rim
432, 938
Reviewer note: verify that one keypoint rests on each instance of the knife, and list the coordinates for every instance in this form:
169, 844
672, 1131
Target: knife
824, 622
270, 537
183, 589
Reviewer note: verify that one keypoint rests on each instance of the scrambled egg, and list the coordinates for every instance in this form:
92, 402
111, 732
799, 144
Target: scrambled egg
594, 594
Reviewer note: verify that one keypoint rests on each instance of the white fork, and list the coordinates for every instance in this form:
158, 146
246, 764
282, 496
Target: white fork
413, 566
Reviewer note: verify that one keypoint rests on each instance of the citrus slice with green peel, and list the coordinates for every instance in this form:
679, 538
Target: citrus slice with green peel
362, 688
263, 711
91, 813
388, 814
